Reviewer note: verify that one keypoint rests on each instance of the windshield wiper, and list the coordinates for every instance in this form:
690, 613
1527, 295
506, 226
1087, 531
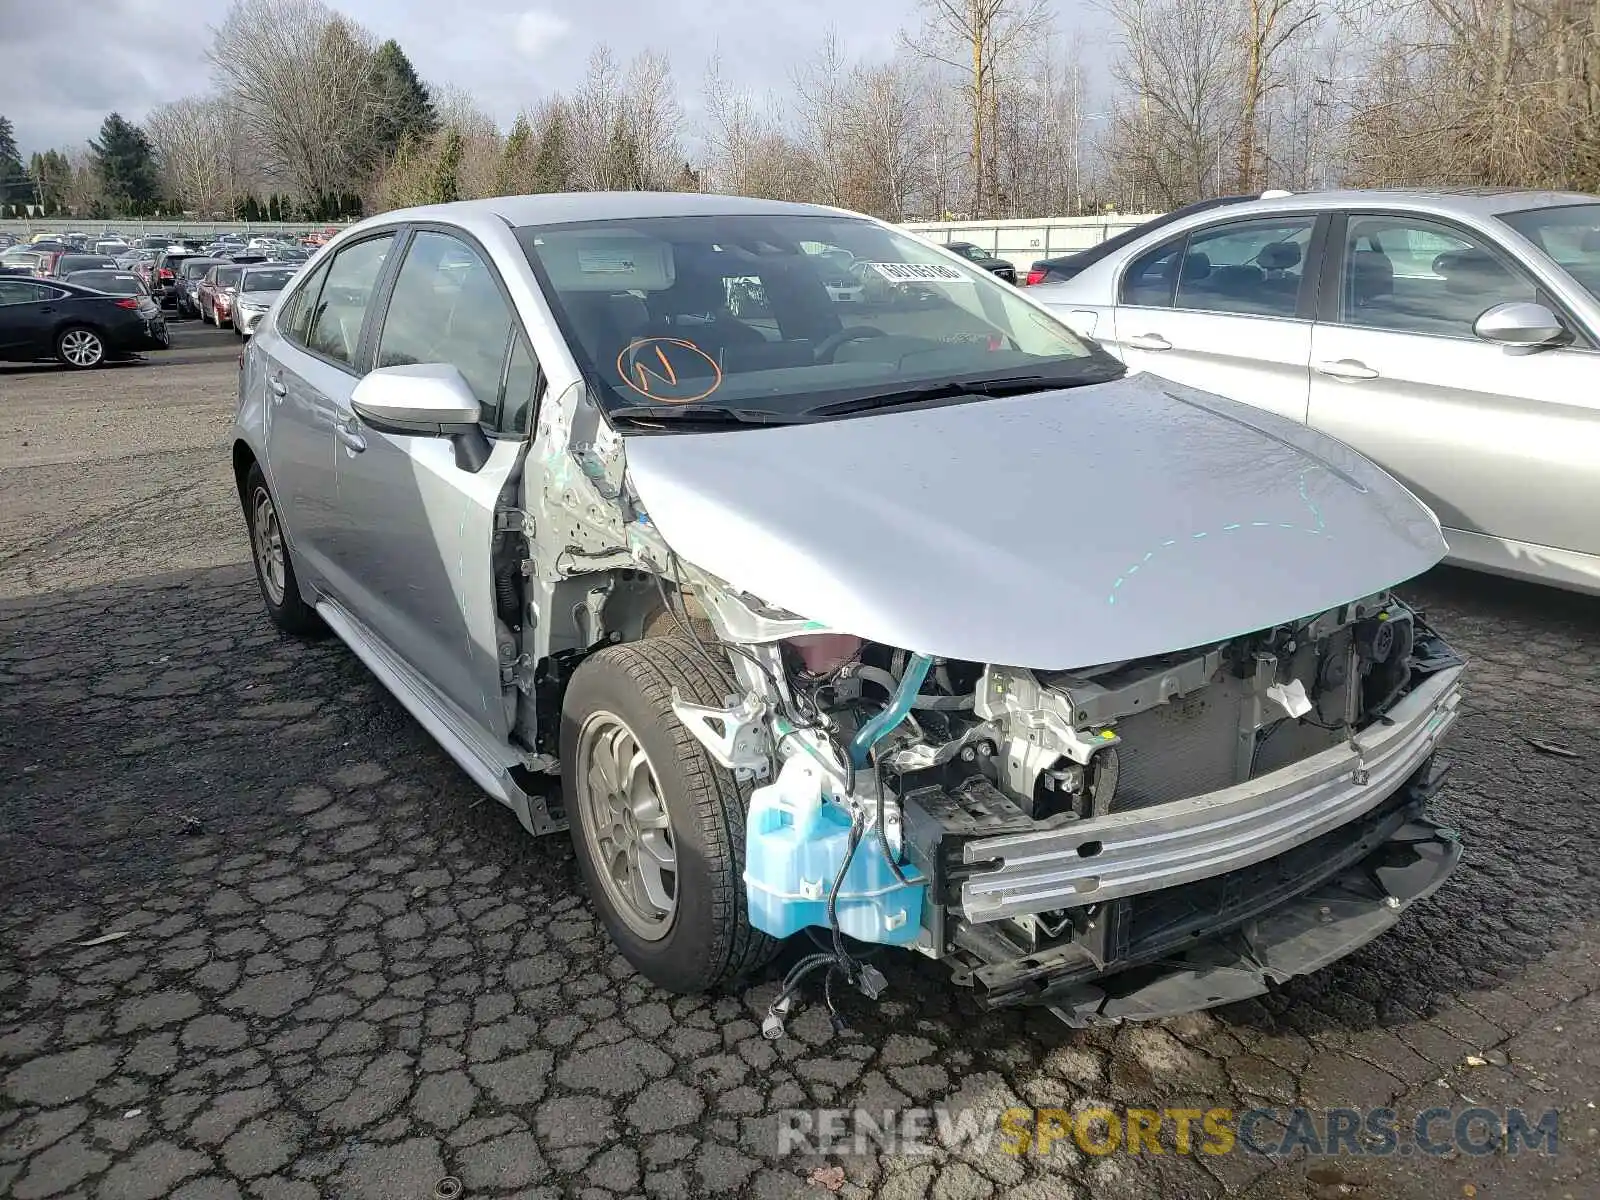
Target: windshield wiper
945, 389
699, 414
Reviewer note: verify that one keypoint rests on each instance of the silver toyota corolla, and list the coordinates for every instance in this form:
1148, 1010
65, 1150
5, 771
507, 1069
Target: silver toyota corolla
913, 621
1453, 337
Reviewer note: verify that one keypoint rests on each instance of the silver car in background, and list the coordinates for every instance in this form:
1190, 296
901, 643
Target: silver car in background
259, 289
1452, 337
920, 624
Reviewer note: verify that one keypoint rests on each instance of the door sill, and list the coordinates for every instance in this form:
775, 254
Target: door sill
1569, 569
490, 765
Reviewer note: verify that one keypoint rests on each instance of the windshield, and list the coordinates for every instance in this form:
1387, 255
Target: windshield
266, 281
1570, 235
227, 277
779, 314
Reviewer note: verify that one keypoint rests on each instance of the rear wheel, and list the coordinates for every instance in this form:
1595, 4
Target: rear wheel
658, 825
80, 348
280, 591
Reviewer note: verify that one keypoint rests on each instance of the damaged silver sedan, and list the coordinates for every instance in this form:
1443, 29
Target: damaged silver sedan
894, 615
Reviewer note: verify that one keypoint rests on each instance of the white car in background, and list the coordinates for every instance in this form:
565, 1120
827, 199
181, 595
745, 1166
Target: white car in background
1454, 338
259, 288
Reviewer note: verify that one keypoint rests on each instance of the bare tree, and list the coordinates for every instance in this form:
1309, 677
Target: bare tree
478, 171
1178, 66
198, 142
1503, 92
1269, 27
300, 77
653, 119
973, 37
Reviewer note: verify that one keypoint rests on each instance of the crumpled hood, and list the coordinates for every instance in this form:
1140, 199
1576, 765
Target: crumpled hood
1053, 530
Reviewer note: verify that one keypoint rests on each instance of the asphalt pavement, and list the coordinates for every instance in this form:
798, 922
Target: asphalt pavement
260, 938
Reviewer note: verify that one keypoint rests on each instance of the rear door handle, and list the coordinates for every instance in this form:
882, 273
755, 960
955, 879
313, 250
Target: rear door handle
350, 434
276, 384
1345, 368
1148, 341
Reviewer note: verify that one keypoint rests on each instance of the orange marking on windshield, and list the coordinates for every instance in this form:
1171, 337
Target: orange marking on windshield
664, 384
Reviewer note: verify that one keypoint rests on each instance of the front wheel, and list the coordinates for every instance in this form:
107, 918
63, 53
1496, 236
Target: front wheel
80, 348
658, 825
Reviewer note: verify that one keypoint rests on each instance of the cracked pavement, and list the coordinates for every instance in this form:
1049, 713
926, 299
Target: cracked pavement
261, 938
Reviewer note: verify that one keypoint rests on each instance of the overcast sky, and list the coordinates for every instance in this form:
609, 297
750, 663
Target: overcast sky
68, 63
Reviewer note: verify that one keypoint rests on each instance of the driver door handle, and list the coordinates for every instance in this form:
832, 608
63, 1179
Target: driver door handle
1345, 368
350, 434
1148, 341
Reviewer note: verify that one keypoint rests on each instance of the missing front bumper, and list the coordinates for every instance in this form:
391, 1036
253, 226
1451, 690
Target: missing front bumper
1315, 929
1106, 858
1231, 937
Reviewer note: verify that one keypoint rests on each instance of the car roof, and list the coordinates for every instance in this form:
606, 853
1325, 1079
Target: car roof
557, 208
1467, 202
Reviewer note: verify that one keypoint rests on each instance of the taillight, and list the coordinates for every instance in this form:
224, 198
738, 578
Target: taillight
129, 303
1034, 276
166, 274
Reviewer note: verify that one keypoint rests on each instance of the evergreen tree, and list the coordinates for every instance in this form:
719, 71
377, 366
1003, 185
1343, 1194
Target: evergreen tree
446, 183
552, 161
14, 186
406, 112
688, 180
126, 165
516, 167
51, 176
624, 166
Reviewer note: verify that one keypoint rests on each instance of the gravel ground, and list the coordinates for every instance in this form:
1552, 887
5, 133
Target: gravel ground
340, 972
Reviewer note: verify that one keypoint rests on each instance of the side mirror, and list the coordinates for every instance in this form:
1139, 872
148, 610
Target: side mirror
424, 400
1521, 325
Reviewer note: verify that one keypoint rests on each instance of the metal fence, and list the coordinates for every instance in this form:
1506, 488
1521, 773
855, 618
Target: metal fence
26, 227
1021, 242
1018, 241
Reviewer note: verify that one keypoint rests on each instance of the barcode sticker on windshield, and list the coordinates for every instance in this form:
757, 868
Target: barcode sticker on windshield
919, 273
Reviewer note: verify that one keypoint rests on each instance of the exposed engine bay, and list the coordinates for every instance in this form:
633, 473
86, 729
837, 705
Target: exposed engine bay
1042, 831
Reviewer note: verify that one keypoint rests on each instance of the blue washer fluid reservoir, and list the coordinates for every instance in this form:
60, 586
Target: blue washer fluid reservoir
796, 838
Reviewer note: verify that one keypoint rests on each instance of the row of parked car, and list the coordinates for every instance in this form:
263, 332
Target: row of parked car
85, 307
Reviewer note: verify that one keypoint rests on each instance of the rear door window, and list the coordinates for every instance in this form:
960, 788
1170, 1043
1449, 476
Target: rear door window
16, 291
1249, 268
295, 316
335, 323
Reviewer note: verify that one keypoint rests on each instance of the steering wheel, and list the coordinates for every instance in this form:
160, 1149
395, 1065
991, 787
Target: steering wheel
829, 346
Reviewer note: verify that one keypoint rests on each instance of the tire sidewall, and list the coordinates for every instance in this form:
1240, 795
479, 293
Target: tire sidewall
682, 960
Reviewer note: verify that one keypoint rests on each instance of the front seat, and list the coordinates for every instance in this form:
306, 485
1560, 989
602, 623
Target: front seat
701, 296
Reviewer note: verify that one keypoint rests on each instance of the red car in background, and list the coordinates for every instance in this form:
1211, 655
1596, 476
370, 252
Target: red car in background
214, 297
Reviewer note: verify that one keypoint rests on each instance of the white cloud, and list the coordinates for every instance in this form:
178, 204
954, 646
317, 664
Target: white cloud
538, 30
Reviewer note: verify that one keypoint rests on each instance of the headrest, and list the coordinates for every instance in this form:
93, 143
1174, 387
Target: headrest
583, 261
1195, 266
1371, 274
1591, 242
1279, 256
1453, 264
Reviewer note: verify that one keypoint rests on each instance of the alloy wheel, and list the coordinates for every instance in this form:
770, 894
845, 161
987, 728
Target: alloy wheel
82, 348
267, 538
628, 830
